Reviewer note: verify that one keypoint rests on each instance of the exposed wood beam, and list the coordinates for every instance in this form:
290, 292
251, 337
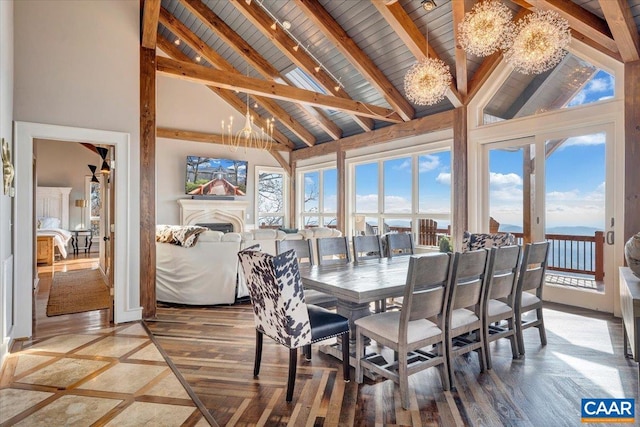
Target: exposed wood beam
623, 27
460, 214
282, 162
410, 34
581, 20
341, 205
227, 95
196, 136
334, 32
458, 11
89, 147
147, 182
631, 149
597, 46
421, 126
200, 74
258, 17
185, 34
150, 14
257, 61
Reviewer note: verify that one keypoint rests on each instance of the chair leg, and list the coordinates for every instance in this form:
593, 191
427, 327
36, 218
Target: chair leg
291, 382
403, 379
346, 365
519, 336
541, 330
444, 368
513, 339
485, 335
258, 357
449, 354
359, 355
482, 353
307, 351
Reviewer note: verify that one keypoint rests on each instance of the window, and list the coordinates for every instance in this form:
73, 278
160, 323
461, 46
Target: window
271, 203
94, 195
320, 197
416, 196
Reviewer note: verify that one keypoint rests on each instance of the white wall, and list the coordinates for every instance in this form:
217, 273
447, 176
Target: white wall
189, 106
64, 164
6, 117
77, 65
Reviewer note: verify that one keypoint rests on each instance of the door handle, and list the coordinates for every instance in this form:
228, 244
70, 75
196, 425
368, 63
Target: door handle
610, 237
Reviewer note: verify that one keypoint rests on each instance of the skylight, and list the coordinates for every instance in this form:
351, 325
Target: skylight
302, 80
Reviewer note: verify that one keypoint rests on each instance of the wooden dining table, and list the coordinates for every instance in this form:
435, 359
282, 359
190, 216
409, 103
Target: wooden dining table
356, 285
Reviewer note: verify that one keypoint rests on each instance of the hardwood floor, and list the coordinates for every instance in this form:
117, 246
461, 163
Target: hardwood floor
213, 349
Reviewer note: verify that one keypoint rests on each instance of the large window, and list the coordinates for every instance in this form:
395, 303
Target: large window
407, 193
320, 197
271, 203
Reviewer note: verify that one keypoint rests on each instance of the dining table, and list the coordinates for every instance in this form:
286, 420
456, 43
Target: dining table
355, 285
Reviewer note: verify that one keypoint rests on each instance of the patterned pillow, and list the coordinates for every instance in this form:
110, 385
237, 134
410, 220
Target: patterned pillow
181, 235
475, 241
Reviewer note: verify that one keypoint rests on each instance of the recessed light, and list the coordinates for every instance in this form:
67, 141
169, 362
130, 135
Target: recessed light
428, 5
286, 25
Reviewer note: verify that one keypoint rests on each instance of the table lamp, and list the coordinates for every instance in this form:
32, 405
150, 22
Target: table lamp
81, 203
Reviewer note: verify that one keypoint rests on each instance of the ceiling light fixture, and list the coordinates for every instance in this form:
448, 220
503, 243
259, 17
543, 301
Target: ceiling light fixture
177, 42
105, 168
427, 81
486, 28
428, 5
286, 25
93, 168
539, 42
198, 58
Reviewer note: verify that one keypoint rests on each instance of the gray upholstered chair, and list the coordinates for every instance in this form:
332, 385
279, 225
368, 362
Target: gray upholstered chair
333, 250
304, 253
367, 247
280, 311
464, 312
419, 324
399, 244
529, 290
499, 303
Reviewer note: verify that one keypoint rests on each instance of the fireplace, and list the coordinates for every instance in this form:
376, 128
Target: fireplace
225, 227
207, 211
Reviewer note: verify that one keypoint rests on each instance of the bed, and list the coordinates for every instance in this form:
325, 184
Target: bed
52, 213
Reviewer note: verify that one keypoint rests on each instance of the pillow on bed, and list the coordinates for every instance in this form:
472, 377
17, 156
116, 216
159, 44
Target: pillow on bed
49, 222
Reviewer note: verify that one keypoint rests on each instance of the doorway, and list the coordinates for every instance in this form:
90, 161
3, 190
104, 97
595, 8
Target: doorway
559, 187
126, 295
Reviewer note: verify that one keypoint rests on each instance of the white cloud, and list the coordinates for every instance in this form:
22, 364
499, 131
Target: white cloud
404, 166
397, 204
444, 178
503, 180
367, 202
428, 163
584, 140
309, 181
600, 85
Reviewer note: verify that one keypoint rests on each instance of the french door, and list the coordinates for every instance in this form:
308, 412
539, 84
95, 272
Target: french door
559, 187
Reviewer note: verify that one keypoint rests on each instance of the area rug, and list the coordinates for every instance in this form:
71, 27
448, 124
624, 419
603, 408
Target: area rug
76, 292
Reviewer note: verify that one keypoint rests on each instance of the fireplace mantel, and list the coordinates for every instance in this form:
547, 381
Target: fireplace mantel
194, 211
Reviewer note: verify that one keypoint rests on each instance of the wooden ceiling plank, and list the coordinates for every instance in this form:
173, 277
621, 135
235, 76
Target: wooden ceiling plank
179, 29
225, 80
150, 14
258, 17
253, 57
581, 20
227, 95
618, 15
421, 126
358, 58
416, 42
458, 11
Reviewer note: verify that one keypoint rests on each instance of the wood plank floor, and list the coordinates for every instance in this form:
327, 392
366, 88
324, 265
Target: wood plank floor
213, 350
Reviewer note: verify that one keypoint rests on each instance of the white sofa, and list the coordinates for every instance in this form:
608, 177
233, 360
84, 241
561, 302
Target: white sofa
204, 274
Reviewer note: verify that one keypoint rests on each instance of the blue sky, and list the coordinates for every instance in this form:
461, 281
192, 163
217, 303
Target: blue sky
575, 177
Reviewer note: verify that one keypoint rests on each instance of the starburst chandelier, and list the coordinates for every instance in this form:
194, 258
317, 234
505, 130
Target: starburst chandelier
427, 81
248, 137
539, 42
486, 28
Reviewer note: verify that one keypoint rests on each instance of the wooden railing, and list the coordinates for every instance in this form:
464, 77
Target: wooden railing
575, 254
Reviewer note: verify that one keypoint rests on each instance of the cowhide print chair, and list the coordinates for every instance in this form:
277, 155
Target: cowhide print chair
529, 290
412, 331
280, 311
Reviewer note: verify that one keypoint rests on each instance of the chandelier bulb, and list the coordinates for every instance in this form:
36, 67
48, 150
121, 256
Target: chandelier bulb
177, 42
296, 47
274, 26
317, 69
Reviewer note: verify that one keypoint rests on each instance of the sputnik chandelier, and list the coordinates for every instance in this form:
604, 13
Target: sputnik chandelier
248, 137
539, 42
427, 81
486, 28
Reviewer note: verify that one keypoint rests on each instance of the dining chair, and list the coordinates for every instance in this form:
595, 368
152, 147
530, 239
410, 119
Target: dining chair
464, 323
367, 247
499, 302
280, 311
399, 244
417, 325
304, 253
529, 290
333, 250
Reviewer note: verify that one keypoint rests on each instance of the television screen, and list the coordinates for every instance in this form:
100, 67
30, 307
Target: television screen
216, 177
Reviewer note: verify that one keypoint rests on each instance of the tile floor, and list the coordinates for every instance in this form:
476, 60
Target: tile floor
110, 376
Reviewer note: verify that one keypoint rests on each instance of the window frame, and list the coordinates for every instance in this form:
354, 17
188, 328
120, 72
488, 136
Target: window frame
321, 215
285, 194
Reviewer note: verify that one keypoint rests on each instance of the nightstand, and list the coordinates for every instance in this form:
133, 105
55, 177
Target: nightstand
88, 241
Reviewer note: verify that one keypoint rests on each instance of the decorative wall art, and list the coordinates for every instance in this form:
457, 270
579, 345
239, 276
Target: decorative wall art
7, 166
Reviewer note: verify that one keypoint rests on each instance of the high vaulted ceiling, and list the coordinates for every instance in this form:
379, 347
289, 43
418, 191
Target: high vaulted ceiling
356, 53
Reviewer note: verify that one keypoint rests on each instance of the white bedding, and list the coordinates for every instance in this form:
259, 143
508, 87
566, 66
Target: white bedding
61, 238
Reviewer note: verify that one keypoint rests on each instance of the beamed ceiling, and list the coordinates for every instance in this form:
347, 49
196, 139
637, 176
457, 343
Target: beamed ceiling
363, 47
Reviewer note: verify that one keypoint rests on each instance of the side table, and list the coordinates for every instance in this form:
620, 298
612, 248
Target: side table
88, 240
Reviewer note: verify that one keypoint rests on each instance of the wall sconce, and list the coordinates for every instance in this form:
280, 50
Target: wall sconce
94, 178
82, 204
106, 169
